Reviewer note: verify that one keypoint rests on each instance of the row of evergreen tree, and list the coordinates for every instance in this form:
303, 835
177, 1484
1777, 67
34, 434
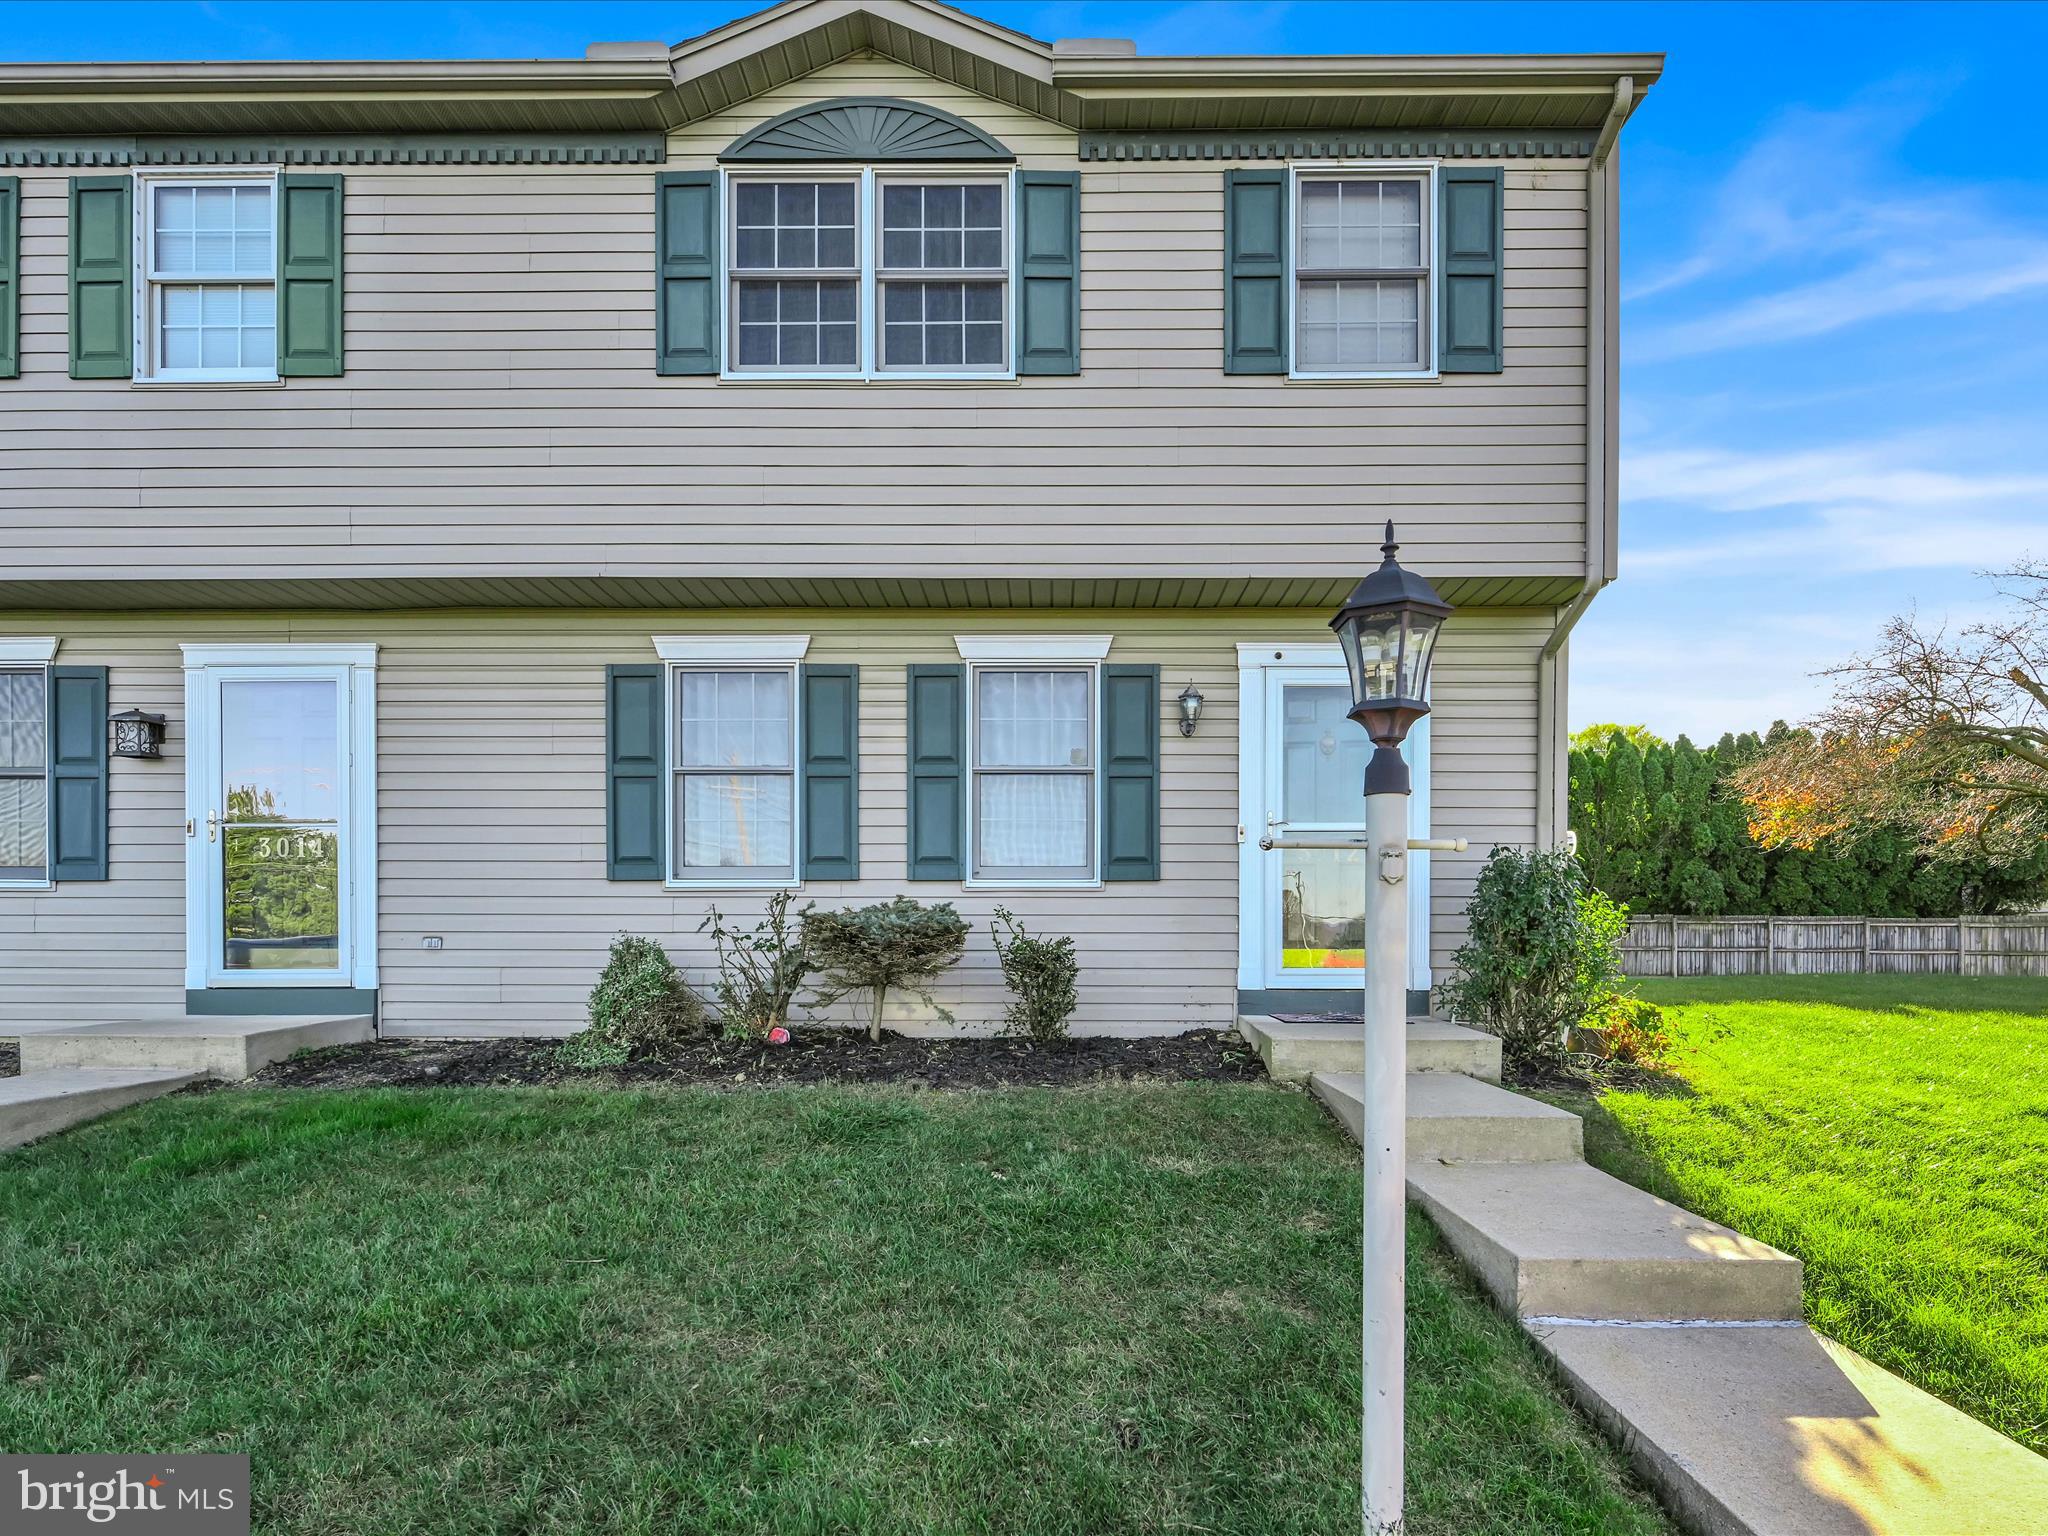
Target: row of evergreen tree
1661, 828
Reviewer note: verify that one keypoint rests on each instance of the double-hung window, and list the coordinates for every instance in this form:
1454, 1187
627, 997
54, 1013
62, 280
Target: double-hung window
1361, 273
1034, 792
869, 274
733, 759
207, 302
24, 775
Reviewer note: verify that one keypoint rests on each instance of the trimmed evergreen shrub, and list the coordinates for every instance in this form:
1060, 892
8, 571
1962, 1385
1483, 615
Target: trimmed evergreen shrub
1041, 974
640, 1008
1543, 949
877, 949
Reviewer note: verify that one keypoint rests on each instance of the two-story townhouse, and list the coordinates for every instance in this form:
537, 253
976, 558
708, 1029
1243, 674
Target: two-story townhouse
544, 499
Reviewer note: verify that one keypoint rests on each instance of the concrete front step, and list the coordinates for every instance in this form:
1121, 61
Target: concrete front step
1293, 1053
44, 1103
214, 1046
1565, 1240
1457, 1119
1776, 1431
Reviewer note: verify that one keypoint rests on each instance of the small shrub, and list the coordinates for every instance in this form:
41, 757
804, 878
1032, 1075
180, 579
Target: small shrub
1543, 949
1041, 974
1628, 1030
760, 970
640, 1008
900, 943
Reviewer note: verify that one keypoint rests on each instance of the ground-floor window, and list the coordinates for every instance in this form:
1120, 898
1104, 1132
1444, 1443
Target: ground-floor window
733, 775
24, 775
1034, 790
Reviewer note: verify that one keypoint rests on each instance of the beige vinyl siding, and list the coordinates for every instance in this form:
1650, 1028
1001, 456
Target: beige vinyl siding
491, 814
501, 416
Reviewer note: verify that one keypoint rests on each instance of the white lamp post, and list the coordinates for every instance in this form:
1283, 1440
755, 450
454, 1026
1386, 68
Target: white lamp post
1387, 628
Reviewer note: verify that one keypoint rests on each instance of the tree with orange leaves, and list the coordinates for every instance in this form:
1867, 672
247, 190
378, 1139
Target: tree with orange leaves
1943, 736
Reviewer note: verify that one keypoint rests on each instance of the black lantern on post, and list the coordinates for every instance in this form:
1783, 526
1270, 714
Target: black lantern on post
137, 734
1387, 628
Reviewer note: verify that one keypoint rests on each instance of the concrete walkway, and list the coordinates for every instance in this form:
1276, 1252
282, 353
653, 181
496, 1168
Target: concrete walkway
1681, 1338
72, 1073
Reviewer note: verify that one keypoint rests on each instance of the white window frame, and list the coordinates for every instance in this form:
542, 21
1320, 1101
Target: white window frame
1033, 653
867, 239
730, 653
1424, 171
35, 656
147, 282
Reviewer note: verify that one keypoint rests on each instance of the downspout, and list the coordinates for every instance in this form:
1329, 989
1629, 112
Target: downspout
1602, 494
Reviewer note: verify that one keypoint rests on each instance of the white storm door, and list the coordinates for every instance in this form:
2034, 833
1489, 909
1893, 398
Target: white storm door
277, 838
1302, 917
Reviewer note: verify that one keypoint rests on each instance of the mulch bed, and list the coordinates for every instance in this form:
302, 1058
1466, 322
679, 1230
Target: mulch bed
813, 1056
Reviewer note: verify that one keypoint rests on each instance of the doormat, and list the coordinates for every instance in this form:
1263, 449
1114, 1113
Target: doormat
1322, 1018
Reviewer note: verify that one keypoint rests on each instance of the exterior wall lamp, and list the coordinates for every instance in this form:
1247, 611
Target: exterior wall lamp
1190, 708
137, 734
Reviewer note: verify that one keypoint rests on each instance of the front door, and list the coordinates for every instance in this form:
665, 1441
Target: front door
1302, 923
273, 797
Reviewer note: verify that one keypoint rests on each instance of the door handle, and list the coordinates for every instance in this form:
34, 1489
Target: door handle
212, 826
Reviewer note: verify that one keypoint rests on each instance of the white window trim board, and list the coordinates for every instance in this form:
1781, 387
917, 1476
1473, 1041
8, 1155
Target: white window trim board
1428, 171
142, 216
284, 653
791, 650
28, 652
1027, 648
867, 249
768, 650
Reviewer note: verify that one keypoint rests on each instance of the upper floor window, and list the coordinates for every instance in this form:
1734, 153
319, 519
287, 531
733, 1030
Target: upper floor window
1362, 274
207, 299
24, 775
869, 273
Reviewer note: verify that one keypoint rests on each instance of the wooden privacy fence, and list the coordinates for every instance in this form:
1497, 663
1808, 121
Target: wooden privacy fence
1835, 946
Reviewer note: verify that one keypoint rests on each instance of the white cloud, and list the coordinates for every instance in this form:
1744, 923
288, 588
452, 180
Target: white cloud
1818, 213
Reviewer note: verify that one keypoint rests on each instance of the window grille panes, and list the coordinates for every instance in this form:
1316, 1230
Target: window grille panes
943, 227
213, 231
799, 323
807, 322
941, 325
735, 759
24, 768
1034, 772
1362, 275
217, 326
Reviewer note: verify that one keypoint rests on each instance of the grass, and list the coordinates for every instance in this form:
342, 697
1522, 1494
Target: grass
1890, 1131
1129, 1309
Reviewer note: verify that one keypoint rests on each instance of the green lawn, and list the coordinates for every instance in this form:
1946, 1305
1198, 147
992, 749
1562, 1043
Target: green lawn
1890, 1131
806, 1310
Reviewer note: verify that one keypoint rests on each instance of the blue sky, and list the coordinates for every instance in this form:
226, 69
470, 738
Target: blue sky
1835, 278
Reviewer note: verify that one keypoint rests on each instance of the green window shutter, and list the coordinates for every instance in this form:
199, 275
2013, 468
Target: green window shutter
830, 793
686, 224
1255, 304
78, 773
635, 799
1469, 256
309, 277
938, 772
10, 277
1130, 773
102, 275
1049, 271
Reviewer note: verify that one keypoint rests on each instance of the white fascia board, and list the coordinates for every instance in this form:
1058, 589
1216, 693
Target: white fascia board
765, 648
1032, 647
